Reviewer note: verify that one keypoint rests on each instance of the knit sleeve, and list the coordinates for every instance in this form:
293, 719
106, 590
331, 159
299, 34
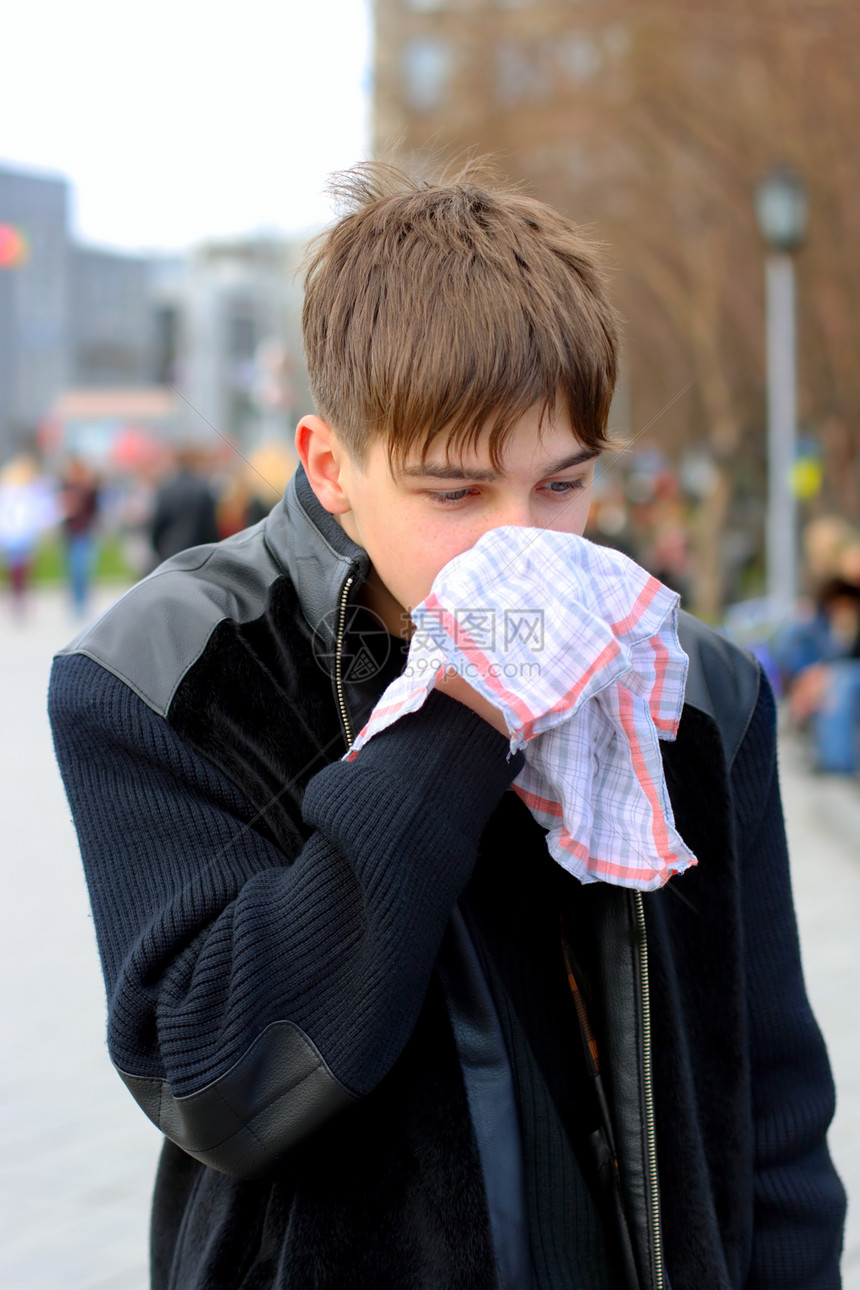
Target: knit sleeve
799, 1201
218, 949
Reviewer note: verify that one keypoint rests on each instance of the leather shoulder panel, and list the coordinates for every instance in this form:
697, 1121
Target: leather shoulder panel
723, 681
152, 636
278, 1093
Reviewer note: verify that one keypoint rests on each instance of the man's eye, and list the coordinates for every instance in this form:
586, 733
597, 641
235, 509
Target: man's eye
566, 485
456, 496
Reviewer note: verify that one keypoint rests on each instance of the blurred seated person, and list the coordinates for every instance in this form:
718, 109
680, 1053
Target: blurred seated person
819, 658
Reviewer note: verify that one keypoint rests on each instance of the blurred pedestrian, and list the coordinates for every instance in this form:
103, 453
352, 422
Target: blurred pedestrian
819, 656
27, 510
79, 504
849, 562
269, 469
232, 504
134, 511
185, 509
825, 540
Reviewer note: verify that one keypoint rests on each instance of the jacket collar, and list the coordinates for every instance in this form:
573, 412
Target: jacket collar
318, 555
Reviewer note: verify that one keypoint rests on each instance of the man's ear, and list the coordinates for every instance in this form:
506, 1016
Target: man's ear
323, 456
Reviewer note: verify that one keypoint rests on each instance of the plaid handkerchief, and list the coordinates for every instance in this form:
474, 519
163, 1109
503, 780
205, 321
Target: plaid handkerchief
577, 646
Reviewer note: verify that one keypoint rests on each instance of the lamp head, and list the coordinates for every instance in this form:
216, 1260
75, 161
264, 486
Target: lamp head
781, 209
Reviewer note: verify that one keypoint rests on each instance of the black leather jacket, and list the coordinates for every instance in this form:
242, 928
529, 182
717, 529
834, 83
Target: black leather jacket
160, 643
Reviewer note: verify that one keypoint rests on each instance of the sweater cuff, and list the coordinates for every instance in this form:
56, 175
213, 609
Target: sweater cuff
457, 761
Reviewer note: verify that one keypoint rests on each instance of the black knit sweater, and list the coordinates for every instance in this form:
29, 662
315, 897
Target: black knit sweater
244, 879
204, 940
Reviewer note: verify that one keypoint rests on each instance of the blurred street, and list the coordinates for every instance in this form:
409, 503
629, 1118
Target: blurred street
78, 1157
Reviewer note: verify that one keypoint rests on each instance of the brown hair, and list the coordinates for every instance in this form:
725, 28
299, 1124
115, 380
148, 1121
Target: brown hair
440, 307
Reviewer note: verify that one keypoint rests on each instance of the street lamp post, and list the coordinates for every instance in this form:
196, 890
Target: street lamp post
781, 208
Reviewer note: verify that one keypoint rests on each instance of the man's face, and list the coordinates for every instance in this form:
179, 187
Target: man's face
412, 522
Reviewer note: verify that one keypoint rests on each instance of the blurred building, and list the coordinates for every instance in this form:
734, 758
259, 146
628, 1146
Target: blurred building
528, 80
111, 318
229, 327
34, 272
200, 348
534, 84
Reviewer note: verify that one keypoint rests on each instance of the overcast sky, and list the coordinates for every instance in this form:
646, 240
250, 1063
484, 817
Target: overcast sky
178, 120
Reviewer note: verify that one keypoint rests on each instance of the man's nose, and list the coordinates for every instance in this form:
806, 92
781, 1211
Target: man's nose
515, 512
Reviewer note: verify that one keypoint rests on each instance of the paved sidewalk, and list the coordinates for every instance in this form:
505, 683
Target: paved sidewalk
823, 823
78, 1157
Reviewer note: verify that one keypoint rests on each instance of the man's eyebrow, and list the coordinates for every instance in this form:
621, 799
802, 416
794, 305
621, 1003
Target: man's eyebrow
446, 470
574, 459
449, 470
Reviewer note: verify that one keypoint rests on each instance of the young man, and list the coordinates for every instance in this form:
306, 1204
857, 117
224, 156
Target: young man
390, 1042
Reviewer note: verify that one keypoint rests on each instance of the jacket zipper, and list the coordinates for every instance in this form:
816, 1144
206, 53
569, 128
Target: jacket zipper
650, 1131
338, 660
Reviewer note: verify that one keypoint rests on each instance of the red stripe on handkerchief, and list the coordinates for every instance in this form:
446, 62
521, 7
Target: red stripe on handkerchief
353, 751
659, 830
546, 805
382, 710
643, 600
661, 666
568, 700
625, 873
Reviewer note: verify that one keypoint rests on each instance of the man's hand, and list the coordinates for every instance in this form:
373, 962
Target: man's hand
453, 684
